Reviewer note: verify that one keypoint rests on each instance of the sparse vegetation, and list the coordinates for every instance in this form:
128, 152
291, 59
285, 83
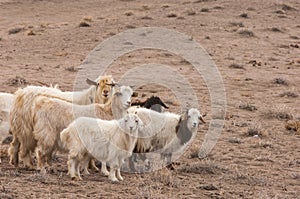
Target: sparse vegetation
236, 66
238, 24
84, 24
275, 29
248, 107
17, 81
254, 129
244, 15
15, 30
280, 81
171, 15
146, 17
245, 32
288, 94
204, 10
71, 69
191, 12
128, 13
280, 112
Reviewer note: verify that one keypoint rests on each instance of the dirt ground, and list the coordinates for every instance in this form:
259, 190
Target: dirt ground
255, 45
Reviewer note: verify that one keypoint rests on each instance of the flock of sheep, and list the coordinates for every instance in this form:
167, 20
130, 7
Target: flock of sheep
99, 123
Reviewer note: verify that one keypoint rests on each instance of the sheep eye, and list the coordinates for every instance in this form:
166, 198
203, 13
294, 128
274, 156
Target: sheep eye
136, 121
126, 120
189, 116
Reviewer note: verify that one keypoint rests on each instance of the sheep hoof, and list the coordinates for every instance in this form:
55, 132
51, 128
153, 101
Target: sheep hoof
120, 178
105, 173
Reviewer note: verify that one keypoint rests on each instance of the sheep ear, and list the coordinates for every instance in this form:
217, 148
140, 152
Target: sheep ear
91, 82
201, 119
178, 125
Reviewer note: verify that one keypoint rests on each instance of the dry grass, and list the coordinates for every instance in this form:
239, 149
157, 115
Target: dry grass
288, 94
146, 17
204, 10
280, 112
15, 30
238, 24
280, 81
236, 66
248, 107
17, 81
172, 15
204, 167
71, 69
244, 15
245, 32
254, 129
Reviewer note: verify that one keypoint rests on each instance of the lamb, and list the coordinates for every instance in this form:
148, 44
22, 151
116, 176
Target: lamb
47, 124
165, 132
153, 103
107, 141
21, 118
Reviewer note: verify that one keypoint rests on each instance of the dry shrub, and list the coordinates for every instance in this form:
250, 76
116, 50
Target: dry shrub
84, 24
287, 7
172, 15
191, 12
17, 81
165, 6
85, 21
236, 66
280, 81
166, 177
254, 129
15, 30
146, 18
245, 32
204, 10
204, 167
288, 94
275, 29
248, 107
244, 15
238, 24
71, 69
280, 112
128, 13
293, 125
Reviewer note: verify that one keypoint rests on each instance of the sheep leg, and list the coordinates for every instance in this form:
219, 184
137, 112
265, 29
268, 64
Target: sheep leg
92, 165
72, 170
119, 175
84, 165
41, 160
13, 152
104, 169
77, 168
26, 158
112, 175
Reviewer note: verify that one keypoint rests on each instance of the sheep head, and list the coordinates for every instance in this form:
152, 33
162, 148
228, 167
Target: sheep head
104, 88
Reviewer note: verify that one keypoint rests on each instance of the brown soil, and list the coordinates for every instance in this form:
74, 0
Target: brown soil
255, 45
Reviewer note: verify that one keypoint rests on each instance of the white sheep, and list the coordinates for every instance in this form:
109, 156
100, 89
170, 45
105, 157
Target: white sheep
165, 132
6, 100
21, 119
52, 115
107, 141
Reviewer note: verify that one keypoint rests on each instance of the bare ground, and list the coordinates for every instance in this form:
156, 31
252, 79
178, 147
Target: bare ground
255, 45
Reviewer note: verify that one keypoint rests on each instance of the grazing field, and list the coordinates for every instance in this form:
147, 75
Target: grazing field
255, 45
